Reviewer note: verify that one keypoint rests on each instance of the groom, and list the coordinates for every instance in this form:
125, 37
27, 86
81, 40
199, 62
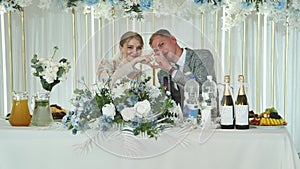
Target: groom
175, 62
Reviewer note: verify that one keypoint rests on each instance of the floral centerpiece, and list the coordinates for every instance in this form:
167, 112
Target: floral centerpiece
132, 105
49, 70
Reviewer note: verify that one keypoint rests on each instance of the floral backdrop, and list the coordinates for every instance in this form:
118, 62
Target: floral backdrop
236, 10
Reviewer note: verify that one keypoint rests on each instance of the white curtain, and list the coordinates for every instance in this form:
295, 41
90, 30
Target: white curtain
45, 29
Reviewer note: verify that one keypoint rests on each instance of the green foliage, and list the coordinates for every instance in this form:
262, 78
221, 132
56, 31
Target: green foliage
146, 127
103, 98
271, 109
48, 86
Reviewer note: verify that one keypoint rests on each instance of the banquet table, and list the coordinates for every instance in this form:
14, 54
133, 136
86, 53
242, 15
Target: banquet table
57, 148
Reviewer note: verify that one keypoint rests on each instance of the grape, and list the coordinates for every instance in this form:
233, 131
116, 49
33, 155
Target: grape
275, 115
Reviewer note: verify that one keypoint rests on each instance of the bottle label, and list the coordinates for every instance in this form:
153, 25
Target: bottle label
241, 114
190, 111
226, 115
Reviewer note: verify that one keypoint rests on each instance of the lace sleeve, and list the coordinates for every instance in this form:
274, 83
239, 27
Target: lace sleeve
122, 70
105, 69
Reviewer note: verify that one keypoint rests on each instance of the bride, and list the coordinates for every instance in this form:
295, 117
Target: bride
130, 46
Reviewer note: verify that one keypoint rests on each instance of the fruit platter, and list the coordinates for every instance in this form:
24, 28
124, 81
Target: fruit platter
268, 119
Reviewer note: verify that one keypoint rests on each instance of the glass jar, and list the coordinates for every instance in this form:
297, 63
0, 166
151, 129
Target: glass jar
20, 115
41, 115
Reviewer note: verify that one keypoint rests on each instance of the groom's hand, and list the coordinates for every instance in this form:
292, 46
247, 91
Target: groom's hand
162, 62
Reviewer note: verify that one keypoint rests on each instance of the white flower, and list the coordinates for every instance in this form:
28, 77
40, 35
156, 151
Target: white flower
65, 65
33, 70
24, 3
176, 110
103, 10
119, 90
2, 8
155, 92
128, 113
44, 4
142, 108
43, 61
129, 2
49, 79
50, 74
109, 110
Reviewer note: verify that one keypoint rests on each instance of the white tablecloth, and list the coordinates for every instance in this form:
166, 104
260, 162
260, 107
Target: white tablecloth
49, 148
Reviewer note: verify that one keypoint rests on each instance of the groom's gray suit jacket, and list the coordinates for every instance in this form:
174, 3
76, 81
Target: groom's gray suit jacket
199, 62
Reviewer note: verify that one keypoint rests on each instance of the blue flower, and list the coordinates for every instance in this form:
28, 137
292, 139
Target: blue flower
135, 122
106, 119
281, 5
146, 4
113, 2
132, 100
105, 123
133, 81
120, 107
200, 2
135, 90
246, 5
74, 131
162, 127
64, 119
91, 2
75, 120
105, 126
81, 125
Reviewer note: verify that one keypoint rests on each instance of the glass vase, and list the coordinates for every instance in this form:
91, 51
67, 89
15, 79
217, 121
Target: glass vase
20, 115
41, 115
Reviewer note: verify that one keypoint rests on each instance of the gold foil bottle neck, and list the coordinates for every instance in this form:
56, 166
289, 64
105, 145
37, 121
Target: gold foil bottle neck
242, 88
227, 88
227, 79
241, 78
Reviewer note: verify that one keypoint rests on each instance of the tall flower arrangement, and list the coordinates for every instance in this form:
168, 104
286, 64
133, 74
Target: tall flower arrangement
50, 71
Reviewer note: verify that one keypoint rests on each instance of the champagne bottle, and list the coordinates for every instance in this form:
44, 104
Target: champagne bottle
241, 108
226, 108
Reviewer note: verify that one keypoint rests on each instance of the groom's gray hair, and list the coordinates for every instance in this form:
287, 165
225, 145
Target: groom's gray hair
161, 32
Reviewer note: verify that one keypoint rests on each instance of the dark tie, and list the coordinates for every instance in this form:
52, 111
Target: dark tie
175, 91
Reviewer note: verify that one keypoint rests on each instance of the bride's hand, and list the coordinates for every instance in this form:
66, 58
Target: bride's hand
142, 59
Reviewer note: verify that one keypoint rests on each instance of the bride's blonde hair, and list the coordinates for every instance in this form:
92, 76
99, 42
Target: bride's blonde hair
130, 35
